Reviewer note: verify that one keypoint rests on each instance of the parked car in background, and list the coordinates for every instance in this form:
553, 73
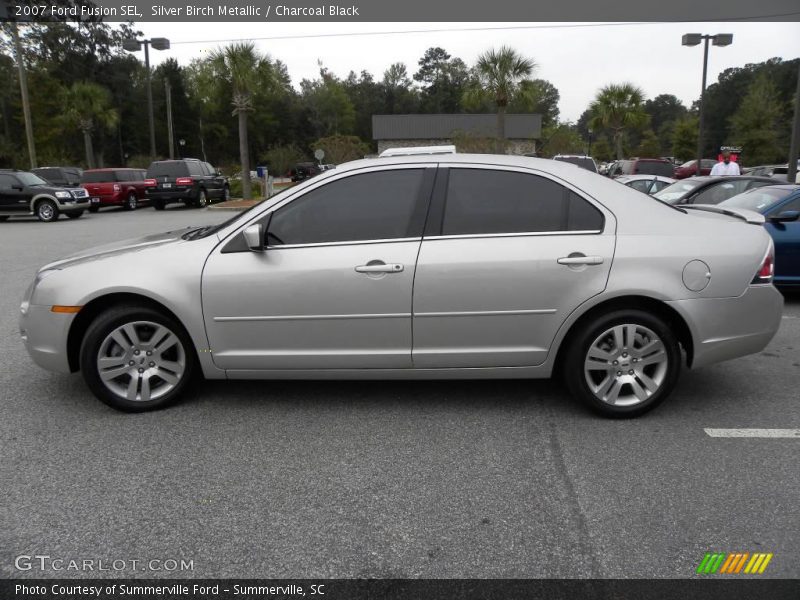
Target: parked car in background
689, 168
399, 269
649, 184
709, 190
780, 204
583, 161
304, 170
23, 194
781, 173
115, 187
642, 166
760, 170
188, 180
60, 176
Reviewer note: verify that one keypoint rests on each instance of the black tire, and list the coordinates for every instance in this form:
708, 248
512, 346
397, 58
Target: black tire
94, 209
131, 202
74, 214
158, 204
3, 219
664, 372
102, 327
226, 194
46, 211
202, 199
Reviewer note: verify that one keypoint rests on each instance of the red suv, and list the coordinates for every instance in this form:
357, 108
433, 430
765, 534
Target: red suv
689, 168
114, 187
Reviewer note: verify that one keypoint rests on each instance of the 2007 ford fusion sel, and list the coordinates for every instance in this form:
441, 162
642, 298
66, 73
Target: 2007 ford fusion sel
438, 266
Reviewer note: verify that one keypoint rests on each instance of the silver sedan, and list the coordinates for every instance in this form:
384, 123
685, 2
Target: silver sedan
456, 266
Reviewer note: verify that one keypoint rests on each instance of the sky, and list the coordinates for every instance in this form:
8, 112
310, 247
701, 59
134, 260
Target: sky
578, 60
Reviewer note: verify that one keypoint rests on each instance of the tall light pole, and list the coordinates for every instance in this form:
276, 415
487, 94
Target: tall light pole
693, 39
23, 91
133, 45
794, 146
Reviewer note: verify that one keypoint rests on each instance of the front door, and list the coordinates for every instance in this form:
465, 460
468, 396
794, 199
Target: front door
333, 288
514, 254
12, 194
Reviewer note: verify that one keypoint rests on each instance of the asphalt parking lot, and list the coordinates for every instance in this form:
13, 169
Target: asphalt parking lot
386, 479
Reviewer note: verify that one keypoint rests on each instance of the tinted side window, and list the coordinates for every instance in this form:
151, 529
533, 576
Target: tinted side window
209, 169
647, 167
642, 185
195, 169
371, 206
7, 181
98, 177
482, 201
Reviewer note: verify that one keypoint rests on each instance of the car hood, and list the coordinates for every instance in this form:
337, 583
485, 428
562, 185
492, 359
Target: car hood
120, 247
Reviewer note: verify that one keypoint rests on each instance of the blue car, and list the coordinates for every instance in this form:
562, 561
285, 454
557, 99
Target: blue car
780, 204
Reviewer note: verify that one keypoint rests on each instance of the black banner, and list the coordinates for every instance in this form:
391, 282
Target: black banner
399, 589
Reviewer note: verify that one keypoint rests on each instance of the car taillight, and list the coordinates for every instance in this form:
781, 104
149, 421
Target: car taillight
117, 187
767, 269
183, 181
150, 182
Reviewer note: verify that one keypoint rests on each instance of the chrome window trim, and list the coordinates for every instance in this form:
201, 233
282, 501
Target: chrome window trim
466, 236
343, 243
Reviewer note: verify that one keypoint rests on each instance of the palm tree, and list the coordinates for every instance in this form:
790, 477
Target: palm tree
241, 64
499, 75
617, 107
87, 106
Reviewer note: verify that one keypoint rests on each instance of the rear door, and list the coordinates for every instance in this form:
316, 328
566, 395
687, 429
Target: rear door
12, 194
787, 245
508, 254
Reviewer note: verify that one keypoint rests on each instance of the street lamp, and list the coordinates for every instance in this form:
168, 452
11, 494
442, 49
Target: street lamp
134, 45
589, 153
693, 39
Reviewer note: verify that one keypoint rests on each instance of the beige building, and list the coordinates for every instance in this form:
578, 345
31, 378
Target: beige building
467, 132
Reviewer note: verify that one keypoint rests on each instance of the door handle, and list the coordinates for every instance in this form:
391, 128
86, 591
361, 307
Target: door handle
580, 260
380, 268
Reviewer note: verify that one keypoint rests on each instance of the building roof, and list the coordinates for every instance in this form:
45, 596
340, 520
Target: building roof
432, 127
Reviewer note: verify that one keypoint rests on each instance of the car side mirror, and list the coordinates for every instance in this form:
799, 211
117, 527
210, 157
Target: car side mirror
786, 216
18, 188
254, 237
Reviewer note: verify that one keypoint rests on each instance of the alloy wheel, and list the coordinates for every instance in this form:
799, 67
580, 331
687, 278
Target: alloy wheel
626, 365
141, 361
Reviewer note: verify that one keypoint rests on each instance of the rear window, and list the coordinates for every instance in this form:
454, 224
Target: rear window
98, 177
653, 167
168, 169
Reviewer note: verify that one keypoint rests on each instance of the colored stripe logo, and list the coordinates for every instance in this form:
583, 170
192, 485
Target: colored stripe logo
734, 563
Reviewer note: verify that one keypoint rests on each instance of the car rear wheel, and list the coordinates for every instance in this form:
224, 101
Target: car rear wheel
158, 204
131, 202
623, 364
202, 199
135, 358
47, 211
74, 214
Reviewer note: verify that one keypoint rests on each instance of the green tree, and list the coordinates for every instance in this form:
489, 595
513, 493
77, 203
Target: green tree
537, 96
561, 138
755, 125
281, 159
618, 107
498, 76
400, 96
240, 64
684, 138
341, 148
443, 80
649, 146
601, 149
330, 110
87, 106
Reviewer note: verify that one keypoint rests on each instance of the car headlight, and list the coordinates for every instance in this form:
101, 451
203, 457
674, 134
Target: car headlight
63, 195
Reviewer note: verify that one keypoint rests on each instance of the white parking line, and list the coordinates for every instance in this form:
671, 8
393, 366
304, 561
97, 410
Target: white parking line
753, 433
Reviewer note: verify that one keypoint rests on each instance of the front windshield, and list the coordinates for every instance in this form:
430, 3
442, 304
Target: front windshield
30, 179
759, 200
674, 192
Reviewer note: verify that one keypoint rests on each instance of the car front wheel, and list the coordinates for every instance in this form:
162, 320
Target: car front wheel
47, 211
135, 358
624, 363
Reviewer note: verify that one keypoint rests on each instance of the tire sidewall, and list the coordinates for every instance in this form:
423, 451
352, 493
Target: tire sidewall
46, 203
579, 346
131, 202
99, 330
202, 198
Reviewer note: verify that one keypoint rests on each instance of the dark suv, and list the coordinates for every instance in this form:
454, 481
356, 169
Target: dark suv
23, 194
191, 181
60, 176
